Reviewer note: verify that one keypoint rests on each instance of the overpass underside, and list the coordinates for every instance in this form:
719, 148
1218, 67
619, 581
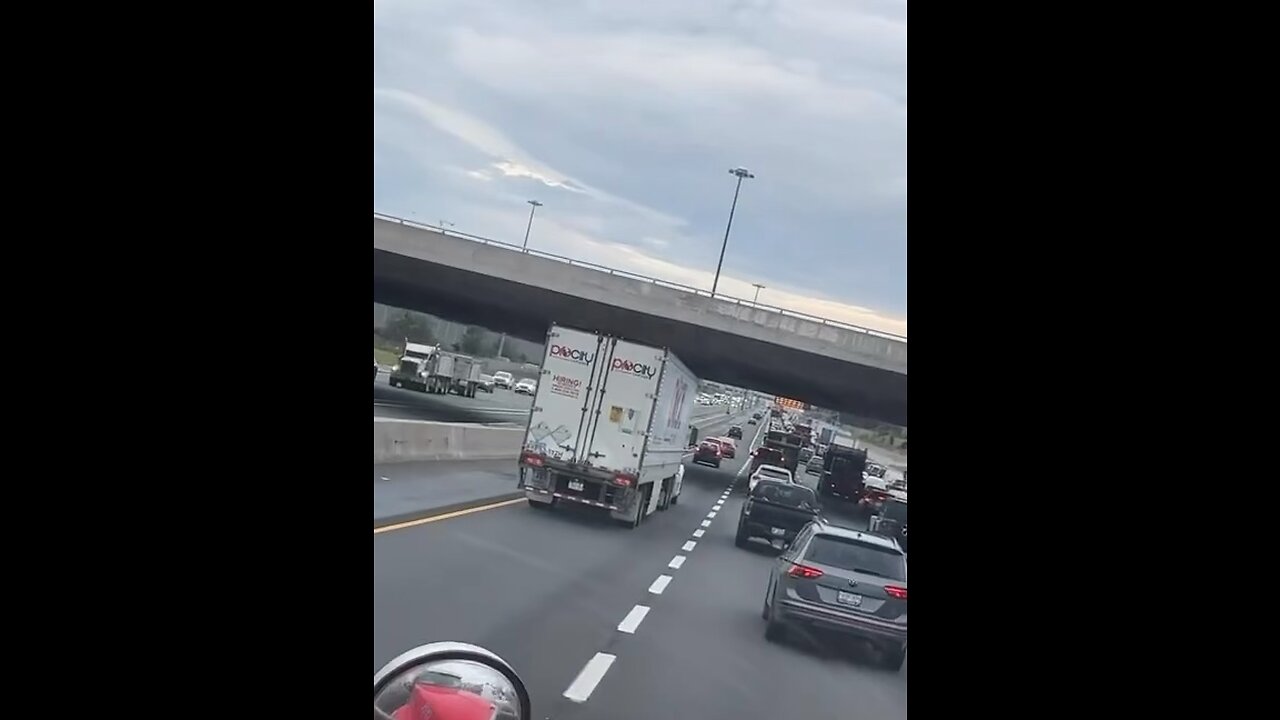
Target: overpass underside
525, 311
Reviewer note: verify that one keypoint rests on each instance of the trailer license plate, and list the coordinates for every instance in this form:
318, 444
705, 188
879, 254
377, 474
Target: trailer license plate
778, 531
575, 485
848, 598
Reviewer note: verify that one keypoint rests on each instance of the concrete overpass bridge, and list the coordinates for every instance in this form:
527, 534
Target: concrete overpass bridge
496, 285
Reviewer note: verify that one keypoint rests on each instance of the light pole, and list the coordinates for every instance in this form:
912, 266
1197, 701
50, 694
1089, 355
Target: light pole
758, 288
533, 205
741, 172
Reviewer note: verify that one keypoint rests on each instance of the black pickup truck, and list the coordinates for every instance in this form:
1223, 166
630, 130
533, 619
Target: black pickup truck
776, 511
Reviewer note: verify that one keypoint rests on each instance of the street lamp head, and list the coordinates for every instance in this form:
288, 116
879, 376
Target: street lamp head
741, 172
534, 203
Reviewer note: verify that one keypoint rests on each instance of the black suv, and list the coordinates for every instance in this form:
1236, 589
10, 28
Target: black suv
735, 432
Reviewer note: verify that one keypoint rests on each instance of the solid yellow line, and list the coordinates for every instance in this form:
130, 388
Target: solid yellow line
446, 516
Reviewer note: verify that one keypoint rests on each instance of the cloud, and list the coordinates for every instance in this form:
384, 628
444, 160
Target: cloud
623, 119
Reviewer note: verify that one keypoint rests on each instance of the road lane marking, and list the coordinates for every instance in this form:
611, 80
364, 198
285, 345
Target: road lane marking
592, 673
676, 562
446, 516
633, 619
660, 584
711, 515
706, 523
689, 546
699, 533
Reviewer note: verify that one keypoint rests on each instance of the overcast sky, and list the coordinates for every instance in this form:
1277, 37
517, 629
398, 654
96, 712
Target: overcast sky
624, 118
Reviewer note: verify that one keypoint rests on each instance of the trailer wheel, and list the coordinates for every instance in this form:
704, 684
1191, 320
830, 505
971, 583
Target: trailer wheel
642, 502
641, 514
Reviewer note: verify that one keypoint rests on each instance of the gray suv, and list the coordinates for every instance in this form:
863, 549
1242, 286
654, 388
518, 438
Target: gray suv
843, 581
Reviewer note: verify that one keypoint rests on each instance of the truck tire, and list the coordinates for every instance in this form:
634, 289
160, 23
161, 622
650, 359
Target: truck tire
641, 505
644, 504
542, 506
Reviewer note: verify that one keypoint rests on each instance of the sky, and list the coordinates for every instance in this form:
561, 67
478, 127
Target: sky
624, 119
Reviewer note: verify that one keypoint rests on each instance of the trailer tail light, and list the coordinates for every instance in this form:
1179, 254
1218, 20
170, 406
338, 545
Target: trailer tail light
895, 592
804, 572
531, 458
625, 480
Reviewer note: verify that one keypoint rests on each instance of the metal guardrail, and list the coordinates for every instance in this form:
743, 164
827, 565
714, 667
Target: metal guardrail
643, 278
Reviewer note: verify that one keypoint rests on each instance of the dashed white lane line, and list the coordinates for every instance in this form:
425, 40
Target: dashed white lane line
711, 515
688, 546
592, 673
660, 584
633, 619
699, 532
706, 523
676, 562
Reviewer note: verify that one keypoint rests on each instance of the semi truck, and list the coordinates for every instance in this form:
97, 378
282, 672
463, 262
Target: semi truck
609, 426
411, 370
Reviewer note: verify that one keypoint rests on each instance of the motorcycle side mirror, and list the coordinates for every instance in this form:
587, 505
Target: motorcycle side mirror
449, 680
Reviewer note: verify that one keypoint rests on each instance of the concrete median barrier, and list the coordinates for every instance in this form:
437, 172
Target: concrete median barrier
409, 440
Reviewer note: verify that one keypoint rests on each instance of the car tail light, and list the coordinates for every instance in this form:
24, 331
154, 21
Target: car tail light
895, 592
746, 509
533, 459
624, 480
804, 571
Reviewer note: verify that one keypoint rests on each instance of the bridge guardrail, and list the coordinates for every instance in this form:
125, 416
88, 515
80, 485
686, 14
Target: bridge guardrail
643, 278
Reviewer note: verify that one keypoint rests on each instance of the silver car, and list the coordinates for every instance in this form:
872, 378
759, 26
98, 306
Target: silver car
843, 581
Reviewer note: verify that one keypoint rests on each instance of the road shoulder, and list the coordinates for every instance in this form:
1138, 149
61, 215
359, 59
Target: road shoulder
408, 491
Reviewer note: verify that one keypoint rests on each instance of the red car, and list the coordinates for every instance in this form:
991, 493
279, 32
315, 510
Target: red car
728, 448
708, 453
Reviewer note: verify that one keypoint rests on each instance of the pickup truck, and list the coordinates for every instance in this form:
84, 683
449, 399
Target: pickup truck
776, 511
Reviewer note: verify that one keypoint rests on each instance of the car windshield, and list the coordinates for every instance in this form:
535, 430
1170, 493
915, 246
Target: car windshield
777, 474
849, 554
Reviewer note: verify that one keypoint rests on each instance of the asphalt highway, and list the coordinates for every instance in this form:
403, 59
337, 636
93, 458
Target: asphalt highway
579, 606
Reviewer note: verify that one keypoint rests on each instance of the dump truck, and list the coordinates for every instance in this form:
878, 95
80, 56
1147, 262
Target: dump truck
411, 370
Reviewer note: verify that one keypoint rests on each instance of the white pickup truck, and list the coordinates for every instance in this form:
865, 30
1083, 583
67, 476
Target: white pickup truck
609, 426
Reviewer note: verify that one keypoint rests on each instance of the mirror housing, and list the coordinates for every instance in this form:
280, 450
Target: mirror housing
460, 654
